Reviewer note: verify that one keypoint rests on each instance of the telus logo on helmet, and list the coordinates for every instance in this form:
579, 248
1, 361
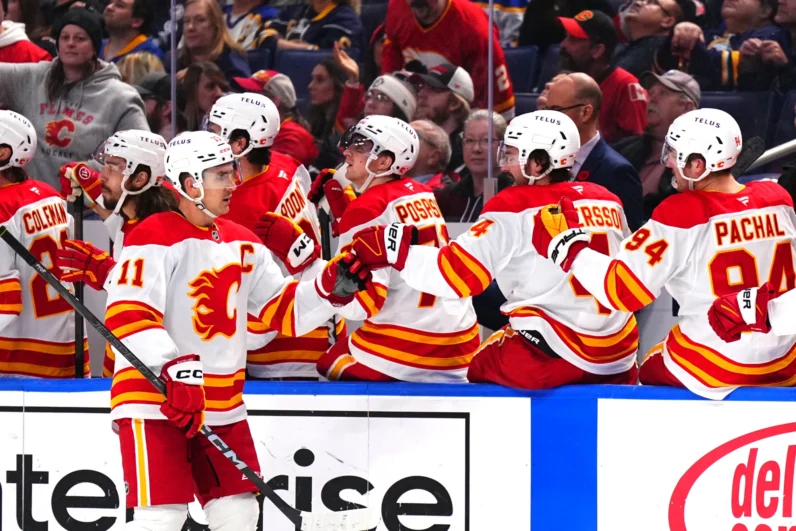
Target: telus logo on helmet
547, 119
698, 120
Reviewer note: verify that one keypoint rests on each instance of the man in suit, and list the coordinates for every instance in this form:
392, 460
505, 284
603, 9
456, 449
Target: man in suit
579, 97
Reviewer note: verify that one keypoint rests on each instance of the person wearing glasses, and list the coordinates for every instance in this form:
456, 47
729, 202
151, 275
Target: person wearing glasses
433, 156
647, 24
744, 53
579, 97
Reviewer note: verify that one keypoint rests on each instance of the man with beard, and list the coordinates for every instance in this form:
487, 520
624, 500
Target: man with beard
155, 90
671, 94
455, 32
127, 22
444, 97
588, 47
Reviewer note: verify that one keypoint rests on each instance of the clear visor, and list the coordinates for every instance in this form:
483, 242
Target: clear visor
110, 162
355, 142
668, 155
224, 176
507, 156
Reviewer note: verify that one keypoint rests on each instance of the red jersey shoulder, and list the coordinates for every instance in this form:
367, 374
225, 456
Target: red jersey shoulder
15, 196
374, 201
769, 193
234, 232
524, 197
284, 161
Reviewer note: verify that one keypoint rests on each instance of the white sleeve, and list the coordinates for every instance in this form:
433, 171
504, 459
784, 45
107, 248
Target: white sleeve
781, 312
10, 287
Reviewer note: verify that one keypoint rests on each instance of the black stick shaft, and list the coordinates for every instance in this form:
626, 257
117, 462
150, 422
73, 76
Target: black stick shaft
292, 514
80, 355
326, 254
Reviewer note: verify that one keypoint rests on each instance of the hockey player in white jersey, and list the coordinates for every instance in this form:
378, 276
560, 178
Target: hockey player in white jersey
179, 299
714, 237
557, 334
130, 191
37, 326
407, 335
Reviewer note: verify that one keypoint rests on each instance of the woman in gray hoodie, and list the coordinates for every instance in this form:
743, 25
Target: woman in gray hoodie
74, 102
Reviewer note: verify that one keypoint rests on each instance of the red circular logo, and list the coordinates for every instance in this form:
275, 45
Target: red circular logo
583, 16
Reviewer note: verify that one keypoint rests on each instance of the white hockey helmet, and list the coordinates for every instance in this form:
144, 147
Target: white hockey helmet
551, 131
254, 113
711, 133
136, 147
18, 133
192, 153
387, 134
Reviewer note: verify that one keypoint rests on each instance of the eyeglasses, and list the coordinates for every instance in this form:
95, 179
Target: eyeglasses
480, 142
654, 3
378, 96
562, 109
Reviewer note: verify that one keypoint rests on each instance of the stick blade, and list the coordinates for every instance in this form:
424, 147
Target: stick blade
354, 520
752, 150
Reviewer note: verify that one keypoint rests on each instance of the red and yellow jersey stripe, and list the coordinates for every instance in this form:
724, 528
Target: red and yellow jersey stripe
10, 297
714, 370
278, 313
417, 349
462, 271
109, 363
372, 300
624, 290
596, 350
125, 318
285, 349
40, 359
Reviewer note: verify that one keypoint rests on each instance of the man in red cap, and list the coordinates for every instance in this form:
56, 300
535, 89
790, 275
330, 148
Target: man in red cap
588, 48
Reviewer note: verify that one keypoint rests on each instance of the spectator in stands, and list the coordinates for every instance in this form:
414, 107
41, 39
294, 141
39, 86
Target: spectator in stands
14, 44
588, 48
50, 12
670, 95
579, 97
207, 39
444, 96
74, 102
508, 17
647, 25
433, 156
387, 95
127, 23
373, 62
326, 89
737, 55
13, 10
448, 32
294, 137
316, 24
246, 20
462, 201
134, 66
541, 101
773, 55
155, 90
539, 23
202, 85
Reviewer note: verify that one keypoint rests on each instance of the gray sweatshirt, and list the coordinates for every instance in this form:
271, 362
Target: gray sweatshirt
71, 128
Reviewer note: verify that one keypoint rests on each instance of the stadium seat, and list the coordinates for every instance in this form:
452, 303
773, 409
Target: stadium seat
524, 103
372, 15
259, 59
752, 110
783, 129
549, 67
298, 65
522, 63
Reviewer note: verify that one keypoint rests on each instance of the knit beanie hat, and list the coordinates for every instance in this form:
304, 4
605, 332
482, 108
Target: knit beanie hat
399, 92
90, 21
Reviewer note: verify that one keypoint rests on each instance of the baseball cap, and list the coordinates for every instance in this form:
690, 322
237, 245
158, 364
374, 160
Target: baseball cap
450, 77
674, 80
593, 25
270, 82
154, 85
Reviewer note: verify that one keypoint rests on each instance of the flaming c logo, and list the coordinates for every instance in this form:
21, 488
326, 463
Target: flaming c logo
211, 290
53, 130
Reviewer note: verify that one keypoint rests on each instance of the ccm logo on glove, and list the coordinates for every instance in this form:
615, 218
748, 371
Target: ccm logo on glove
188, 374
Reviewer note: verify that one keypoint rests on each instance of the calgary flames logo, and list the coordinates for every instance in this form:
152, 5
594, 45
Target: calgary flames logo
52, 133
212, 290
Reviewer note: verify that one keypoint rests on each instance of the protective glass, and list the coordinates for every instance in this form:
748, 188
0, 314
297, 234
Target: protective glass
507, 156
668, 155
214, 178
118, 165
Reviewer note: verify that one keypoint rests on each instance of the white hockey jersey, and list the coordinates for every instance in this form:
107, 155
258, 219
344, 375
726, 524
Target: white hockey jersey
181, 289
540, 297
37, 326
281, 188
781, 312
408, 335
699, 246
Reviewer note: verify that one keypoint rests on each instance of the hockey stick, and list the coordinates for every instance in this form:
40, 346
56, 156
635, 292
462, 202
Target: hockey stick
353, 520
326, 253
80, 354
751, 151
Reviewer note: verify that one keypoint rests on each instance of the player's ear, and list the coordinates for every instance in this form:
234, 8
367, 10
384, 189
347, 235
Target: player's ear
138, 180
5, 153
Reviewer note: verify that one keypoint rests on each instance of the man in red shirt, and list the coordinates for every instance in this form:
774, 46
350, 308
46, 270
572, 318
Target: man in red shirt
588, 48
436, 32
14, 44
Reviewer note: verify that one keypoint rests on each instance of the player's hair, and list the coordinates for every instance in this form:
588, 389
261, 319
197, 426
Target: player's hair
154, 200
696, 156
541, 157
257, 156
12, 174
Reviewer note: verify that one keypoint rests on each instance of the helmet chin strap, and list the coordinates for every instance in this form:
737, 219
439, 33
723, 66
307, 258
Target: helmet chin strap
371, 176
126, 192
198, 201
531, 179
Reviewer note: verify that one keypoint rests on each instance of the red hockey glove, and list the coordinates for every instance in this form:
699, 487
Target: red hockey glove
80, 261
342, 278
77, 178
287, 241
185, 394
557, 234
338, 197
745, 311
317, 188
385, 245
